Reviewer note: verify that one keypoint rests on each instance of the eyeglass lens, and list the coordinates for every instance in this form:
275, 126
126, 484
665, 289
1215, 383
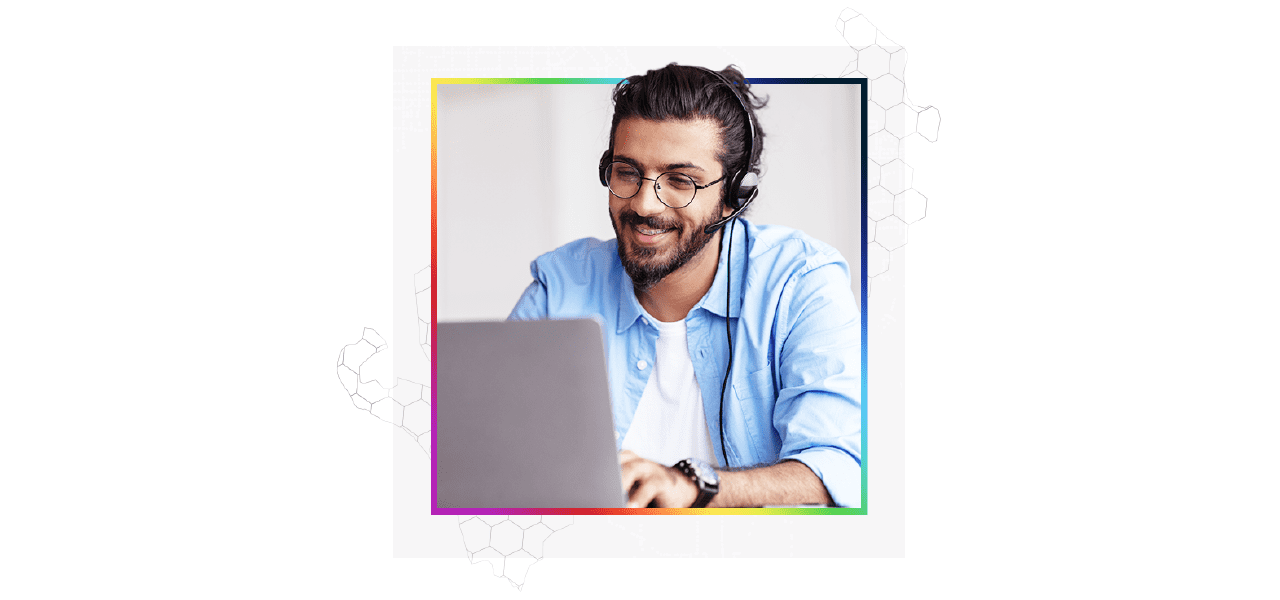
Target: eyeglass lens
674, 190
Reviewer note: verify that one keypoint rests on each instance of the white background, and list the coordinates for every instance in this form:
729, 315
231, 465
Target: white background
196, 213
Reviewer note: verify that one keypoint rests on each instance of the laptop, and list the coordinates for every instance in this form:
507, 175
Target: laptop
523, 418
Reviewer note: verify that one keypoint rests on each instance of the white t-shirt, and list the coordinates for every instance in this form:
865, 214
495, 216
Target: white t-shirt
670, 424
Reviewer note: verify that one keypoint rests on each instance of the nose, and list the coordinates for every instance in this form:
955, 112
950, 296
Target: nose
646, 203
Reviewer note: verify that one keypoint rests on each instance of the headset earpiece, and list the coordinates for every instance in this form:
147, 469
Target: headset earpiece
735, 192
604, 167
741, 188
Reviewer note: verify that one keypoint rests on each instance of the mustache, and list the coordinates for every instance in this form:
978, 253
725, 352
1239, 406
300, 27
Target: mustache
628, 217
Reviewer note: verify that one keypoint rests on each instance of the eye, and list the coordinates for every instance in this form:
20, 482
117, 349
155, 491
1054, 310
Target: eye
679, 182
625, 173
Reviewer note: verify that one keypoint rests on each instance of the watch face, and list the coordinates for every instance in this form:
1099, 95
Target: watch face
705, 472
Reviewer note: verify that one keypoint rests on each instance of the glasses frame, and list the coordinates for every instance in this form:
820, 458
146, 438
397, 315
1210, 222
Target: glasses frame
696, 187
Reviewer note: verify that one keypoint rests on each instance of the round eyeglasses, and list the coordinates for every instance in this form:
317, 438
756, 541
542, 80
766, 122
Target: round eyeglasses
675, 190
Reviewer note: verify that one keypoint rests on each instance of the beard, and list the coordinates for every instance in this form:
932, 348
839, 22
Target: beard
647, 266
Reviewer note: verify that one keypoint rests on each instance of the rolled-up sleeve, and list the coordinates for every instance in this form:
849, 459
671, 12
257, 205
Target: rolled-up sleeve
818, 414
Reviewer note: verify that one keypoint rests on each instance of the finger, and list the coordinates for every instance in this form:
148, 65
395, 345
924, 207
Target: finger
632, 471
649, 481
632, 468
643, 495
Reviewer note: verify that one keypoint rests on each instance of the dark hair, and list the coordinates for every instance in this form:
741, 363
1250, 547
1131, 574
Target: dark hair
687, 93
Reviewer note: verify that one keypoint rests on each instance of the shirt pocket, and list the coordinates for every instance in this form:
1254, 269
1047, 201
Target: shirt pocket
753, 397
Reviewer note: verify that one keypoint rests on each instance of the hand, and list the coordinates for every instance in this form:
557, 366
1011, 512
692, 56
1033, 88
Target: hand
647, 481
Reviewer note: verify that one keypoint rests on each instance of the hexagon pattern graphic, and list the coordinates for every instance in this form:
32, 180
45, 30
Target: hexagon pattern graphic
509, 544
892, 203
422, 302
364, 368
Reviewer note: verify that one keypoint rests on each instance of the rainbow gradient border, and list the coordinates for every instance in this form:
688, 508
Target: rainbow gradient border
438, 510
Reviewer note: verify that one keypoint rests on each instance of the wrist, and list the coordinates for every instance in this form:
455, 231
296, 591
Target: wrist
704, 478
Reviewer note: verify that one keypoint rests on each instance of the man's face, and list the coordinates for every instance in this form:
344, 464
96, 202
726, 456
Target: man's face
655, 240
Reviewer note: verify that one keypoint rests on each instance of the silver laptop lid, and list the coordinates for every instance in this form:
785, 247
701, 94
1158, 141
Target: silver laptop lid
523, 418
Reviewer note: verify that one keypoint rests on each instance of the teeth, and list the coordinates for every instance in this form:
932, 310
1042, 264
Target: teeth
650, 231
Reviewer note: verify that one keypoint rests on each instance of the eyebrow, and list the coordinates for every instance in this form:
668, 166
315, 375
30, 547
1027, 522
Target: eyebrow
665, 168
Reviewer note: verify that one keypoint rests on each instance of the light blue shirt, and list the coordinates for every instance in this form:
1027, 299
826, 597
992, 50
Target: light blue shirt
795, 385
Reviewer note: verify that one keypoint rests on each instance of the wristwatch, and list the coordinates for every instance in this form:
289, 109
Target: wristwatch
703, 476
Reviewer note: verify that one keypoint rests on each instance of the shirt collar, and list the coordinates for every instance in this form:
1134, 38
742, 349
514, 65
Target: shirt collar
629, 309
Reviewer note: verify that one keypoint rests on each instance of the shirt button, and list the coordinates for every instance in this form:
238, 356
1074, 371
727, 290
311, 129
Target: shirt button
642, 365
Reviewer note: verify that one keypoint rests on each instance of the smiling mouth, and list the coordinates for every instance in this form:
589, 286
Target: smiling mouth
649, 232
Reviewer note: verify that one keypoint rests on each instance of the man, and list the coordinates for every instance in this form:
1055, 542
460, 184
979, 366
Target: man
764, 408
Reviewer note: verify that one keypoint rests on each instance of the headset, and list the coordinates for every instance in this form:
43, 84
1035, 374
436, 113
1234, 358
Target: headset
742, 187
740, 191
